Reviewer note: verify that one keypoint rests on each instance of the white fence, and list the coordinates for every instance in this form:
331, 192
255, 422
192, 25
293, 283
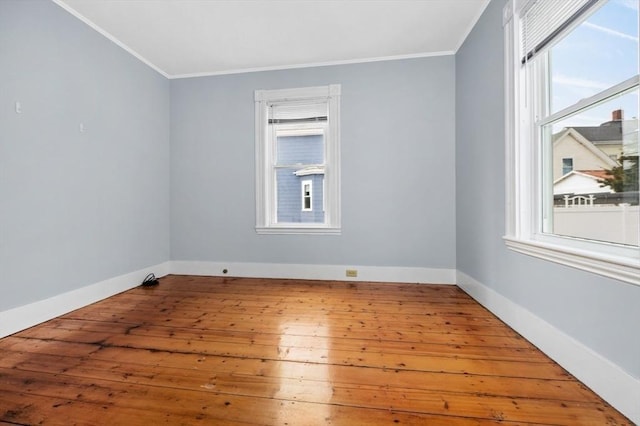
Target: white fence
617, 224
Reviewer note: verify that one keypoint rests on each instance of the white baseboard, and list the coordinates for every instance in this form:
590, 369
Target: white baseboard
617, 387
316, 272
614, 385
22, 317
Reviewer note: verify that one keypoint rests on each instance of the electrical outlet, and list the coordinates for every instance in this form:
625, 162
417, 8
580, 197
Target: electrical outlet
352, 273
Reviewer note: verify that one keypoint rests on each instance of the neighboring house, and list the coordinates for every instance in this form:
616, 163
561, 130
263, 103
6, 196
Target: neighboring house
583, 207
608, 136
301, 189
581, 182
572, 150
591, 150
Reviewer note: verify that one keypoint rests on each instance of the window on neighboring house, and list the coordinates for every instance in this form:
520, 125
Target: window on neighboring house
297, 150
307, 186
572, 86
567, 165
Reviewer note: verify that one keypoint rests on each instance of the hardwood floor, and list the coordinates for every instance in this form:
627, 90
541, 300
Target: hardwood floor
215, 351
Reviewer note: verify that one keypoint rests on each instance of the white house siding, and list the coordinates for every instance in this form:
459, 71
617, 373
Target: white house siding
583, 158
577, 183
613, 151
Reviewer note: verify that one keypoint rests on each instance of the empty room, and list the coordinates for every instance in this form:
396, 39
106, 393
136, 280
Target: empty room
320, 212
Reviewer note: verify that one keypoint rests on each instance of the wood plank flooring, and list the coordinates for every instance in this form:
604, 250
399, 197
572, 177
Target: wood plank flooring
218, 351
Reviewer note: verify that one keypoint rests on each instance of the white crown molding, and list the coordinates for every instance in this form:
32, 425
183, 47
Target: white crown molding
472, 25
109, 36
23, 317
315, 272
314, 64
613, 384
141, 58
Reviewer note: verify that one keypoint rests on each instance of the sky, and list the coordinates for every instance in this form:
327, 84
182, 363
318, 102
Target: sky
601, 52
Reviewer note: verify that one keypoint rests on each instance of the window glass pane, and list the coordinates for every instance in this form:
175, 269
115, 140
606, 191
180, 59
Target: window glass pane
290, 197
598, 199
600, 53
300, 158
567, 165
300, 149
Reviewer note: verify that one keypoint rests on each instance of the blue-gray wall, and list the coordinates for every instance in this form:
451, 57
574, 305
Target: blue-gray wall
601, 313
397, 148
76, 208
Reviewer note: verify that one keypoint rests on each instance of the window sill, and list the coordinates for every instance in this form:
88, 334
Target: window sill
297, 230
621, 268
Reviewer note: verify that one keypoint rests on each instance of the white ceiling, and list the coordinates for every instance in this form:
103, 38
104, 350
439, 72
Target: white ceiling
181, 38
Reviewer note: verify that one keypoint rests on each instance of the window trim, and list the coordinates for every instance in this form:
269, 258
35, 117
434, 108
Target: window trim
265, 192
523, 203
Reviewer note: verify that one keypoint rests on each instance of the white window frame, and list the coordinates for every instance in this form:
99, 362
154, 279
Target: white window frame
266, 203
524, 188
304, 196
324, 195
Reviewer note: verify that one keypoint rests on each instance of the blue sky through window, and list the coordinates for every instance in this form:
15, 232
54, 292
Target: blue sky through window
598, 54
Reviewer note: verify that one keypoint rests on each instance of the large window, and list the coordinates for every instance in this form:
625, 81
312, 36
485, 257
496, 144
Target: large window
572, 77
297, 160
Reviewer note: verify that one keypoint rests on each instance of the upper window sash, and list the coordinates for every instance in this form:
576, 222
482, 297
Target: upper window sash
544, 20
596, 99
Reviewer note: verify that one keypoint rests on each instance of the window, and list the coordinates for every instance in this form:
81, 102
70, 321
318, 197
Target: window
567, 165
297, 160
572, 86
307, 186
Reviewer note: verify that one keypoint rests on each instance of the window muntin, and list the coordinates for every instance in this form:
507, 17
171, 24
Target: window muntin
297, 139
539, 113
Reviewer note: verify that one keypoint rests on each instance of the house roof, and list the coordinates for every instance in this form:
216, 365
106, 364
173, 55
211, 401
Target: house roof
594, 176
581, 139
577, 173
606, 133
598, 174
